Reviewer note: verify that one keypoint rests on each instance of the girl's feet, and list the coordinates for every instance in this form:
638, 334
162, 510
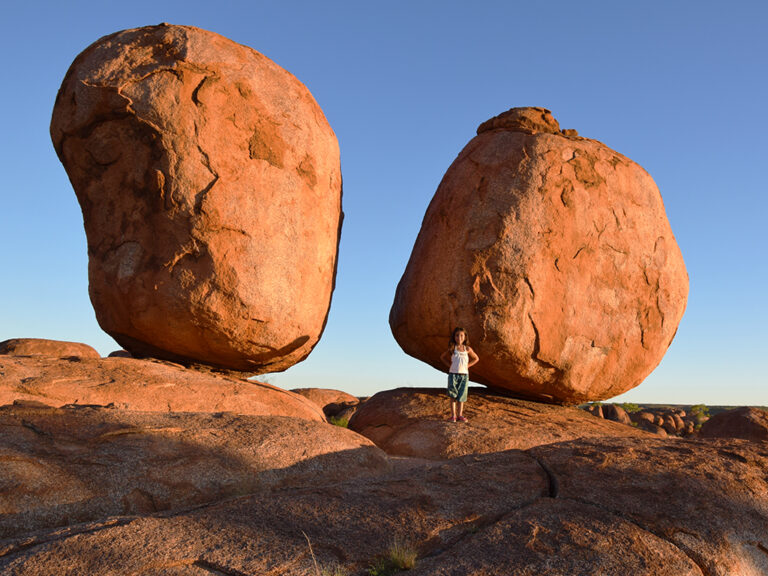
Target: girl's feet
452, 419
461, 419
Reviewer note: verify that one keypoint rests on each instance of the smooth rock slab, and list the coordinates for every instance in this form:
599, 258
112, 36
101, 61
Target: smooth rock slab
145, 385
554, 252
64, 466
708, 498
604, 506
210, 186
414, 422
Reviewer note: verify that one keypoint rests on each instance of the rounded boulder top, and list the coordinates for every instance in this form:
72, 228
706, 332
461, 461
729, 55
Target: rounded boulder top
210, 185
556, 255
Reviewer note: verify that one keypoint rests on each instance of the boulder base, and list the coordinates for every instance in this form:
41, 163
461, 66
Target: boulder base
414, 422
145, 385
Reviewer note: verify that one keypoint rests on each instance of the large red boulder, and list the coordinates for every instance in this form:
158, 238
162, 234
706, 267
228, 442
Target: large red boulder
555, 253
210, 185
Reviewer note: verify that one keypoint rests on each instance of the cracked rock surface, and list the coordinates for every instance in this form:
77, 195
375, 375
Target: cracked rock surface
210, 186
98, 490
623, 506
556, 255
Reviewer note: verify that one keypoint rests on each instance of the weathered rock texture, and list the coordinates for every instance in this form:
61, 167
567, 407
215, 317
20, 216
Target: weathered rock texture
745, 422
555, 253
210, 186
43, 347
62, 466
414, 422
588, 506
152, 386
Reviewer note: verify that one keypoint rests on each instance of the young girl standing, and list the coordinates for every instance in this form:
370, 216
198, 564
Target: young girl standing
459, 357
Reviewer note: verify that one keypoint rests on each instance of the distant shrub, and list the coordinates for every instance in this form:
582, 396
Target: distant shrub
629, 407
700, 410
339, 421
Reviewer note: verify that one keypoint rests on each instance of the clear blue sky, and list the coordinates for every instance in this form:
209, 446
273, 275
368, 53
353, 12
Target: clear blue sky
679, 87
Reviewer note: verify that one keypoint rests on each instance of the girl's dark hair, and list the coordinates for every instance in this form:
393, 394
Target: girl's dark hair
453, 337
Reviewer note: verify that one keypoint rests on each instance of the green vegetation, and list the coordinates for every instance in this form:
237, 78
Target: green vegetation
400, 556
339, 421
630, 407
700, 410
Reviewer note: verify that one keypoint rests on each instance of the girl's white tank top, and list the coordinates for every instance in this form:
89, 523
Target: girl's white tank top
460, 362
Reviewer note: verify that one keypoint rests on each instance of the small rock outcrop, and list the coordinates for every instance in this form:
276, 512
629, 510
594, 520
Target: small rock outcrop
554, 252
144, 385
334, 403
43, 347
745, 422
210, 186
616, 413
414, 422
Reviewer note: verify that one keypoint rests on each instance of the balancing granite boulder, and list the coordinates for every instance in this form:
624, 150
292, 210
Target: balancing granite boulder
555, 253
210, 186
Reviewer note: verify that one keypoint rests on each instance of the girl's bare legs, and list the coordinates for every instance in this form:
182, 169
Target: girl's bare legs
461, 409
453, 408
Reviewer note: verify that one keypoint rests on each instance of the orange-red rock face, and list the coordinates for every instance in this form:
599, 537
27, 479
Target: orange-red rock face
210, 185
43, 347
555, 253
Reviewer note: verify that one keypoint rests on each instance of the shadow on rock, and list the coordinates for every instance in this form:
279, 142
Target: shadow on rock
78, 464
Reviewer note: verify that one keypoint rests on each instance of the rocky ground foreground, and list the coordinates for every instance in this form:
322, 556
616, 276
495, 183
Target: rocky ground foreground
216, 475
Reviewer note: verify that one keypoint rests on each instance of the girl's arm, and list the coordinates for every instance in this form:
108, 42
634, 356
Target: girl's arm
445, 358
473, 358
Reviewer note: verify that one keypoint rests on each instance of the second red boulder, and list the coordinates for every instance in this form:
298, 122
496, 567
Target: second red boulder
555, 253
